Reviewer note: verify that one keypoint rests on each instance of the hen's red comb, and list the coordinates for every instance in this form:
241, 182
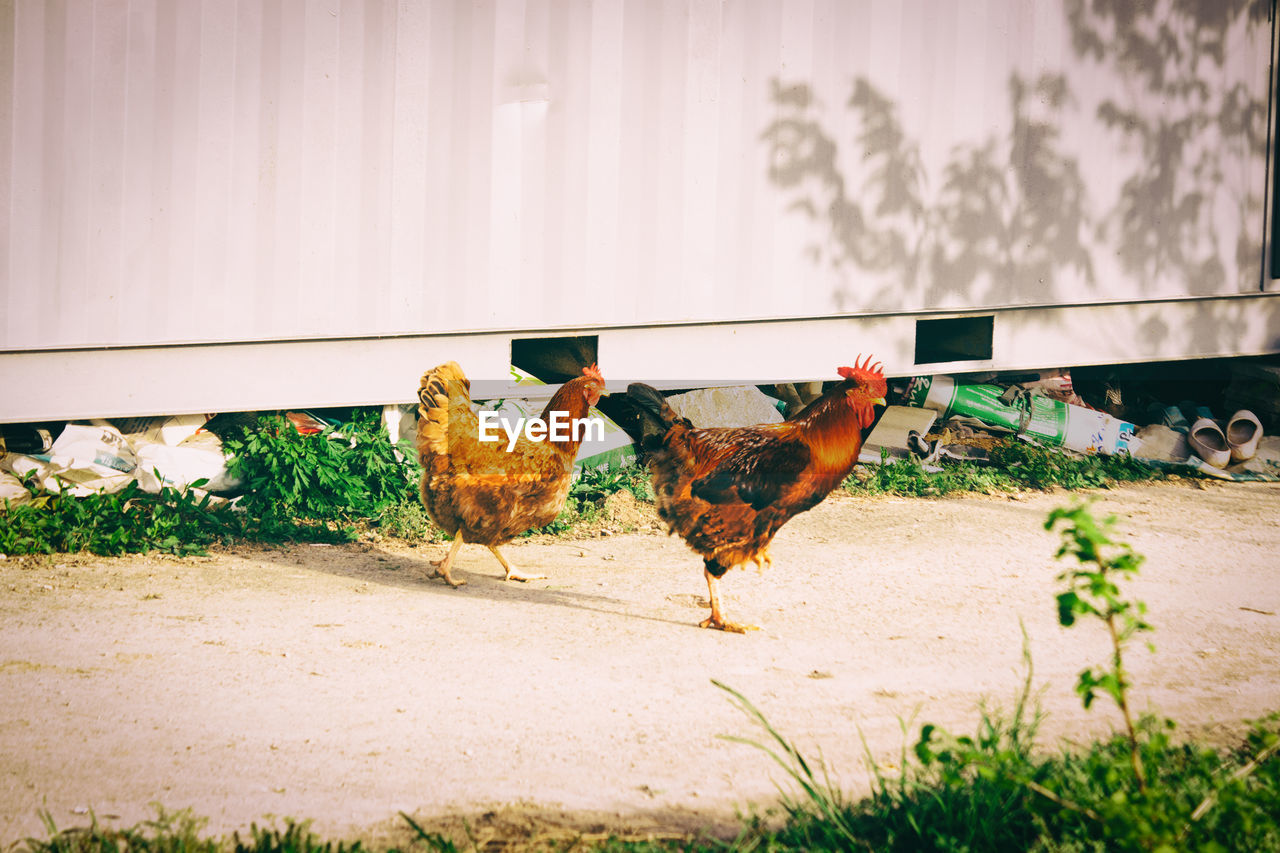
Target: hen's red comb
866, 367
593, 372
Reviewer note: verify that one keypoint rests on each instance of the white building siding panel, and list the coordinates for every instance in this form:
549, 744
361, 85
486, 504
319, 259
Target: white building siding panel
178, 171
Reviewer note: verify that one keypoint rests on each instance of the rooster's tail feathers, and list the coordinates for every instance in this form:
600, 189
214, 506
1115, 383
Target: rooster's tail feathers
433, 405
657, 415
651, 401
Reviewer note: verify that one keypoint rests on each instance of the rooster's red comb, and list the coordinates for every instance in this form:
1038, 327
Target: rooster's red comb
866, 367
593, 372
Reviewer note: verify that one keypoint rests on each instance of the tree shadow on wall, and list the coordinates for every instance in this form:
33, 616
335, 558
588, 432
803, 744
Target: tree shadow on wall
1010, 213
1011, 220
1164, 222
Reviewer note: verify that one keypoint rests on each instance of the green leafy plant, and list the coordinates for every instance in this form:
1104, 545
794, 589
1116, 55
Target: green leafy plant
1012, 465
596, 484
1093, 590
1159, 814
314, 486
907, 477
112, 523
1035, 467
340, 472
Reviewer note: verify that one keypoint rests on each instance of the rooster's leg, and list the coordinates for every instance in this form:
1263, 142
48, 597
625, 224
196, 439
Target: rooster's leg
512, 574
441, 567
716, 619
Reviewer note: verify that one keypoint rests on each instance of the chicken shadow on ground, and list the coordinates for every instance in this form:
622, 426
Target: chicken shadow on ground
411, 569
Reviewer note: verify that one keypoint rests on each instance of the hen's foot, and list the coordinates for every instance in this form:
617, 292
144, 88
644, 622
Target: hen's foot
512, 574
520, 576
440, 568
721, 624
447, 577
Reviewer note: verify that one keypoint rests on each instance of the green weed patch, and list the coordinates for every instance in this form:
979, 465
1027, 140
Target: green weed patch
1013, 466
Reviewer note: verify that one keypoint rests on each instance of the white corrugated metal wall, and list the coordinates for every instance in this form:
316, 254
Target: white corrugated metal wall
193, 171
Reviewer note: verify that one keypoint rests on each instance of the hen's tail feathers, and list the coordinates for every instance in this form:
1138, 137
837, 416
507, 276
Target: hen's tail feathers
433, 405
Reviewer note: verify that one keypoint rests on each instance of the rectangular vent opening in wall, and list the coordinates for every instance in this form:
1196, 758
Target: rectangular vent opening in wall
954, 339
555, 360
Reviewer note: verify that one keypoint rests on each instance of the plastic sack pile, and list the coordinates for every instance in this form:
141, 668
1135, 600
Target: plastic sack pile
101, 457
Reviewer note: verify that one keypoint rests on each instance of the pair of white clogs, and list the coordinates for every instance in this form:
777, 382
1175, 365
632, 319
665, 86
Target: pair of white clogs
1220, 448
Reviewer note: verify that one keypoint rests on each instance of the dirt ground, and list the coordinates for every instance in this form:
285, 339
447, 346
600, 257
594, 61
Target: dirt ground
339, 684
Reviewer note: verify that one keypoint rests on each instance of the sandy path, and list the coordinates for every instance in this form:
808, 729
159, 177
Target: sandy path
337, 684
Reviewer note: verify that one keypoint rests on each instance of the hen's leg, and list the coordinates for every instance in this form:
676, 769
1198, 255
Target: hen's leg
512, 574
441, 567
716, 619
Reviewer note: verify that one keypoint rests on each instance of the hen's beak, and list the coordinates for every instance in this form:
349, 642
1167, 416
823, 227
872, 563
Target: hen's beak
879, 401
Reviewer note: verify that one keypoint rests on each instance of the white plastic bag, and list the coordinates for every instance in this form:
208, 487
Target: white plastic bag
181, 466
86, 459
12, 490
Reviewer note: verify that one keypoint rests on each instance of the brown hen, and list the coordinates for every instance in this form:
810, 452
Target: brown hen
479, 491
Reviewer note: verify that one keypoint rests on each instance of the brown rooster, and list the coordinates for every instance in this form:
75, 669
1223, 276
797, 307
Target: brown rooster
726, 491
489, 492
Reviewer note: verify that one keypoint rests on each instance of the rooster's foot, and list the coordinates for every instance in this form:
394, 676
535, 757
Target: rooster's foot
721, 624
